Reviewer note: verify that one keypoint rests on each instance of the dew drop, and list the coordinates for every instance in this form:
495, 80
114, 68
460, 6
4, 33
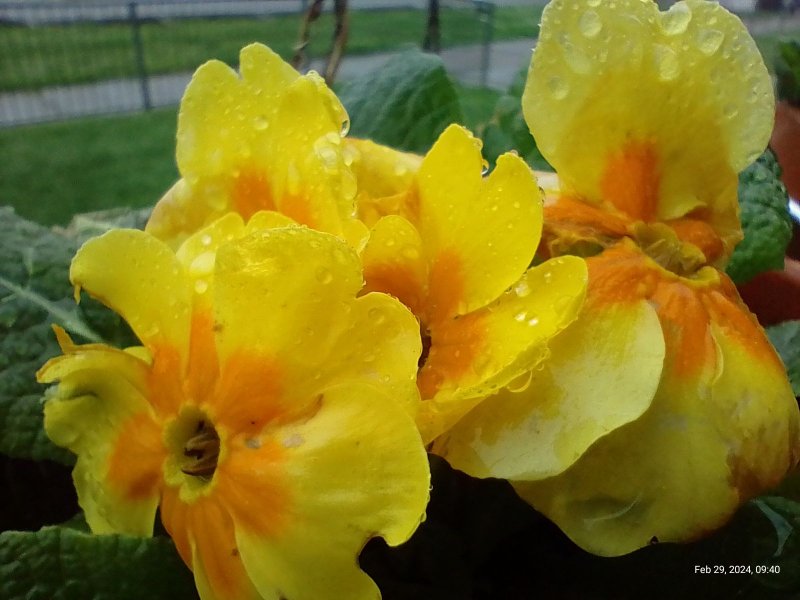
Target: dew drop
590, 24
559, 88
667, 65
377, 315
676, 20
253, 443
520, 316
522, 288
520, 383
533, 321
293, 441
261, 123
345, 126
324, 276
484, 166
201, 286
709, 41
593, 3
400, 170
205, 239
203, 264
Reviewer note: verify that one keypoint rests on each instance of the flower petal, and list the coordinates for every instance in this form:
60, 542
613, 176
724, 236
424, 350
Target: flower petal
682, 98
394, 263
353, 470
474, 355
270, 140
140, 278
602, 373
99, 412
384, 176
723, 427
480, 235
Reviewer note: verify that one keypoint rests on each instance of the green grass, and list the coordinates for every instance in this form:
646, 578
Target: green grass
50, 172
33, 57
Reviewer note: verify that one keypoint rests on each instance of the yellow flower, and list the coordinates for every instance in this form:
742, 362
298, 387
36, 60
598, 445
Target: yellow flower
664, 406
650, 115
267, 413
458, 258
268, 140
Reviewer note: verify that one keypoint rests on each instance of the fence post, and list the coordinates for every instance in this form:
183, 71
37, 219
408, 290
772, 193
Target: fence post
486, 10
138, 54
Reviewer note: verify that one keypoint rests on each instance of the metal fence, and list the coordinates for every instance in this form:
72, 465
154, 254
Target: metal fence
60, 60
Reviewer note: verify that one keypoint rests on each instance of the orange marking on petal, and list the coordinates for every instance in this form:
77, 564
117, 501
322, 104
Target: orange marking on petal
397, 280
248, 392
619, 275
455, 344
252, 485
297, 207
727, 310
631, 178
446, 287
165, 380
584, 217
700, 234
251, 192
203, 368
175, 517
134, 467
685, 323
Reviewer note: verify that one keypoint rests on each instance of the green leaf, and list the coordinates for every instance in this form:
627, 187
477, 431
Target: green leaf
34, 294
63, 563
784, 515
406, 103
767, 226
786, 339
507, 129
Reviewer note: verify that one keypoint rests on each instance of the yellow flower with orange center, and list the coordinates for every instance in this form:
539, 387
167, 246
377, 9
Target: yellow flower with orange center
268, 413
457, 255
663, 407
267, 139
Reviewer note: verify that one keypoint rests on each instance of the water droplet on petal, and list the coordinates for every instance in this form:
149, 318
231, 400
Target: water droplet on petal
203, 264
253, 443
520, 316
294, 440
676, 20
709, 40
400, 169
377, 315
201, 286
324, 276
533, 321
345, 126
260, 123
520, 383
590, 24
522, 288
205, 239
666, 61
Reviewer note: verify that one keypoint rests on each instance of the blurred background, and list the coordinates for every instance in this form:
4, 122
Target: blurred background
89, 90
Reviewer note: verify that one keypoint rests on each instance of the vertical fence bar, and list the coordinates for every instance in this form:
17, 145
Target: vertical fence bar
486, 10
138, 53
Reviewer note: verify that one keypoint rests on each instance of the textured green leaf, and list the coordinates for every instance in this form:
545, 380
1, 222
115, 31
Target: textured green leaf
786, 339
34, 294
507, 129
406, 103
63, 563
765, 218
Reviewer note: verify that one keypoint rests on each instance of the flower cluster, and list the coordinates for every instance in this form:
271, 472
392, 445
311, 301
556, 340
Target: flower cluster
315, 311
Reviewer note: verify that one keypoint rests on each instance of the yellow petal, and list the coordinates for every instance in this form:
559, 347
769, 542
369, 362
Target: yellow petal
480, 235
290, 295
99, 412
140, 278
474, 355
354, 470
602, 373
384, 175
270, 140
395, 263
682, 101
718, 432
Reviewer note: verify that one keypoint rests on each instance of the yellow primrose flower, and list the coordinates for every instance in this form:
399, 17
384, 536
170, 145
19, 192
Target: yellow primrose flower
650, 115
458, 258
664, 406
269, 139
620, 452
267, 414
